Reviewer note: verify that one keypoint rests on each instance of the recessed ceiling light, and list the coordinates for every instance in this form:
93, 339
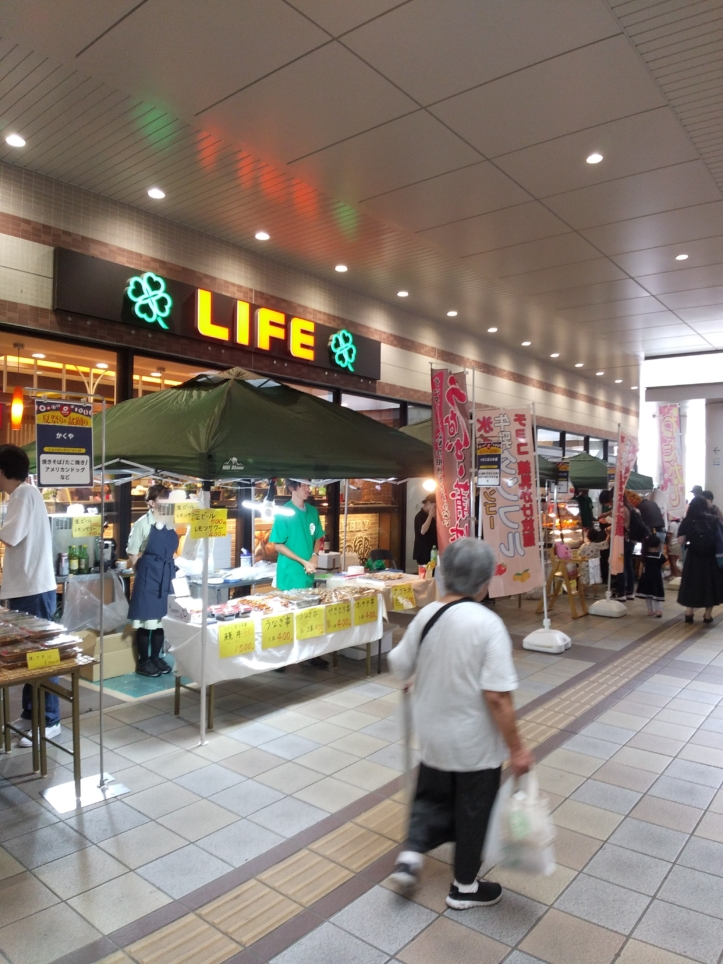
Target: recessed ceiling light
491, 330
15, 140
578, 364
681, 257
526, 344
156, 193
618, 381
599, 373
594, 158
341, 268
555, 354
155, 374
262, 236
633, 388
101, 364
451, 314
38, 354
402, 294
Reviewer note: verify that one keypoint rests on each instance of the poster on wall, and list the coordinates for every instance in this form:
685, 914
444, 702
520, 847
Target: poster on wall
671, 458
452, 455
627, 453
64, 443
509, 509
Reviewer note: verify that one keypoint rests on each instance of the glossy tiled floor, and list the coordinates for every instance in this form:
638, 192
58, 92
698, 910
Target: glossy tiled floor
274, 841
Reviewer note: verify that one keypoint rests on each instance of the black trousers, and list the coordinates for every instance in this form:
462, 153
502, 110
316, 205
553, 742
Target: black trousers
453, 807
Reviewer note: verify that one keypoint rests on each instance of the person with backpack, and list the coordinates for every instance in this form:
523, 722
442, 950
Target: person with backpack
701, 585
650, 584
460, 656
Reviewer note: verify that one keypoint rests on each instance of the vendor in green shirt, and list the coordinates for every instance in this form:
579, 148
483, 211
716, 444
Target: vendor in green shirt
298, 539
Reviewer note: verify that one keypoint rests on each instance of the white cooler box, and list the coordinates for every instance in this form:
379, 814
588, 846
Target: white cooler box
360, 652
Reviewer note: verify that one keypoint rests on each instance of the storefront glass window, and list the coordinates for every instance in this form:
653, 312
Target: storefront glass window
380, 410
151, 375
597, 448
574, 444
549, 443
418, 413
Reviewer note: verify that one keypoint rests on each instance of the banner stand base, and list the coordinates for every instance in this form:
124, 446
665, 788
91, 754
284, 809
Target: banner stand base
612, 608
547, 640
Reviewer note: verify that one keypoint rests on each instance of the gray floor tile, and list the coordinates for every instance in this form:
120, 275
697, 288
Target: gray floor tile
240, 842
30, 816
704, 855
56, 931
289, 746
618, 865
374, 690
157, 725
42, 846
682, 931
384, 919
247, 797
254, 734
700, 696
108, 821
289, 816
712, 725
517, 957
695, 890
660, 688
604, 731
602, 749
330, 944
695, 773
647, 838
184, 870
392, 756
209, 780
603, 903
388, 730
607, 796
682, 791
507, 921
11, 796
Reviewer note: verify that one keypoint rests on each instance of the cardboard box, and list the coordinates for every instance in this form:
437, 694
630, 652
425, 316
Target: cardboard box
119, 655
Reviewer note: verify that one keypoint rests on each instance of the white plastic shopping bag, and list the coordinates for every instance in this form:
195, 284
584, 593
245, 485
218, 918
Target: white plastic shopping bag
521, 830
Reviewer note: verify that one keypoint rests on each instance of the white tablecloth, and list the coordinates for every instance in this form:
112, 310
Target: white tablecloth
184, 643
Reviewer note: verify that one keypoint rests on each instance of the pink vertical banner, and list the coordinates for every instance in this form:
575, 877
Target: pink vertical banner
627, 453
671, 457
510, 510
452, 455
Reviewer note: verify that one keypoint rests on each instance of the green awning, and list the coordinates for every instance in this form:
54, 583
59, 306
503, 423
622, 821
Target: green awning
588, 472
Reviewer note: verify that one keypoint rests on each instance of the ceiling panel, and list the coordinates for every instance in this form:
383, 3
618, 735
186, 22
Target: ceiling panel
636, 196
685, 280
591, 87
700, 316
58, 29
692, 299
707, 251
672, 345
298, 109
338, 16
591, 294
448, 197
653, 319
712, 327
440, 55
566, 276
401, 152
670, 227
627, 308
563, 249
631, 145
515, 225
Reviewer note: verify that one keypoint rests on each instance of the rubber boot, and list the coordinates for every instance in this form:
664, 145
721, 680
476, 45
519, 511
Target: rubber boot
145, 666
157, 640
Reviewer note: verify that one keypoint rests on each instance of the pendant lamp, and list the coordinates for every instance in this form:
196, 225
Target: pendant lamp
17, 407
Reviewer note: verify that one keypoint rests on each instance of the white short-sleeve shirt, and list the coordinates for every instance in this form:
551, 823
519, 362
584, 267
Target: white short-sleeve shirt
28, 566
467, 651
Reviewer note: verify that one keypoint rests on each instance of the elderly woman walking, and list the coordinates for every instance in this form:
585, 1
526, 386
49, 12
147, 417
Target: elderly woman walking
460, 656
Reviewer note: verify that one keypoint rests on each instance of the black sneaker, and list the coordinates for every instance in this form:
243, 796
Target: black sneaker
404, 877
147, 668
486, 895
162, 665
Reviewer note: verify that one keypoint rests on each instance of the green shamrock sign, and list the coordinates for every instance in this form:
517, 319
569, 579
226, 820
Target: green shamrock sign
151, 301
343, 349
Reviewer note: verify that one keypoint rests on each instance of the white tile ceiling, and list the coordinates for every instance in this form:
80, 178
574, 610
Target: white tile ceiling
432, 145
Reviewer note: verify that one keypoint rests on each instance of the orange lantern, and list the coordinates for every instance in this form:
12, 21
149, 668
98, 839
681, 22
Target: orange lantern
17, 407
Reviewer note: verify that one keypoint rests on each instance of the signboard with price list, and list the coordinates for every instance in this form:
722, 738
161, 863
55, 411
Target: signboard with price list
64, 443
277, 631
366, 610
236, 638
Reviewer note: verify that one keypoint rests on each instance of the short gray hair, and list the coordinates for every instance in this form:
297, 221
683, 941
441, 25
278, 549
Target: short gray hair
467, 565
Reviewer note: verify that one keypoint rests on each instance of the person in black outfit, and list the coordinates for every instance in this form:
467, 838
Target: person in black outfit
650, 584
584, 503
652, 514
606, 508
425, 530
702, 583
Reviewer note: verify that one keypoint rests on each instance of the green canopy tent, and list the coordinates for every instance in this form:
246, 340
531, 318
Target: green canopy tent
588, 472
423, 432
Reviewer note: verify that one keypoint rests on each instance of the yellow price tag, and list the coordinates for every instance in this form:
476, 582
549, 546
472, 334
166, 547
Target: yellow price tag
86, 525
236, 638
338, 617
366, 610
45, 657
277, 631
208, 523
183, 512
403, 598
310, 622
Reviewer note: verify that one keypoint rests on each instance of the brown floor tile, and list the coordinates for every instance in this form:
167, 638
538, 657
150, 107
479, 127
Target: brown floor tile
186, 941
711, 827
537, 887
665, 813
562, 939
352, 846
574, 849
635, 952
657, 744
433, 885
620, 775
583, 818
557, 781
387, 818
305, 877
447, 942
249, 912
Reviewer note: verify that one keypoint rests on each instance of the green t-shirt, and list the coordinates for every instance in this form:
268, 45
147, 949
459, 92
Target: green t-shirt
299, 534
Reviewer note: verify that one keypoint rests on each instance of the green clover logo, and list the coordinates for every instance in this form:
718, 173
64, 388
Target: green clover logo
343, 349
151, 301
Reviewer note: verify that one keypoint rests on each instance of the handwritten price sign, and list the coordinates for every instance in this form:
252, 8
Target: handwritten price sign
236, 639
86, 525
183, 512
403, 598
310, 622
277, 631
366, 610
46, 657
208, 523
338, 617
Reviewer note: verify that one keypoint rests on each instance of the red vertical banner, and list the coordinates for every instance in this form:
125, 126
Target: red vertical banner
452, 455
509, 509
627, 453
671, 458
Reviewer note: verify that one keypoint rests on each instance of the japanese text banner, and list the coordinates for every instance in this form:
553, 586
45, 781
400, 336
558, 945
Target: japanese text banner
673, 481
627, 453
509, 510
452, 455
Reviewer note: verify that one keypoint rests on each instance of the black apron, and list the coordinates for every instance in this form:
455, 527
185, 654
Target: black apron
154, 571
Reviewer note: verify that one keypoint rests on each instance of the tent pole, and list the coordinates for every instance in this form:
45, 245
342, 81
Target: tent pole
540, 510
473, 459
206, 500
609, 593
101, 625
346, 517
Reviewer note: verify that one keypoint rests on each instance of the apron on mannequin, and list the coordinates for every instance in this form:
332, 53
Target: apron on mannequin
154, 571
